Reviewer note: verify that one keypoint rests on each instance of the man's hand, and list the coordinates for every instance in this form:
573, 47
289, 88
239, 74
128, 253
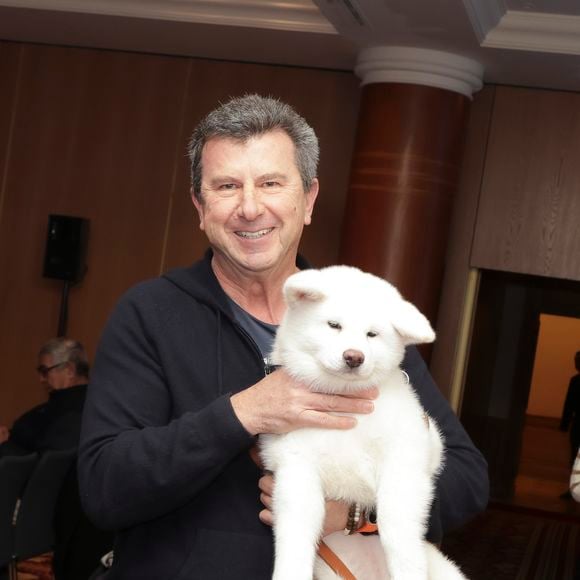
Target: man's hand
4, 433
336, 512
279, 404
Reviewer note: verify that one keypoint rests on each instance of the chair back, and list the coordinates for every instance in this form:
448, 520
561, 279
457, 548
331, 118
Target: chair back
34, 531
14, 473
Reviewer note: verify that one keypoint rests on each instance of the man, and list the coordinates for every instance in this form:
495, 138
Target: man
63, 370
182, 385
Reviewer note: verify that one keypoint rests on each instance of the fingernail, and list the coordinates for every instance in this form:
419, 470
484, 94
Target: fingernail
368, 407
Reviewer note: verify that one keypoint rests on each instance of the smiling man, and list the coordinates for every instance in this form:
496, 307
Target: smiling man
182, 385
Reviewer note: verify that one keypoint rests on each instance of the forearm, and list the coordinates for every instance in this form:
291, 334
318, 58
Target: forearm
140, 474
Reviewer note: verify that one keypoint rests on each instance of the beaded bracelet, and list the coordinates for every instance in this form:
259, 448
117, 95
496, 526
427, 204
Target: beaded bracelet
353, 521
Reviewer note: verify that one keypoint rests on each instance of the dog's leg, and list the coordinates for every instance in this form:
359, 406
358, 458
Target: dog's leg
403, 498
299, 507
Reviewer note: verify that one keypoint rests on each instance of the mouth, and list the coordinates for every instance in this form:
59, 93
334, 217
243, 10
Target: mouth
253, 235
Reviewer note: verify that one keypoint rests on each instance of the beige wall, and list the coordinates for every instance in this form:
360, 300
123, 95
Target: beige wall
102, 135
558, 341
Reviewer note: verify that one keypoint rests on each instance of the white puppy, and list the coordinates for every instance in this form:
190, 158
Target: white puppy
345, 330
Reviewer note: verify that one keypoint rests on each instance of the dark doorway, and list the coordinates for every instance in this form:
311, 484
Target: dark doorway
501, 362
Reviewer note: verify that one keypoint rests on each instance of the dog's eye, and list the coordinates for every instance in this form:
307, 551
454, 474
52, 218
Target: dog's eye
334, 325
372, 333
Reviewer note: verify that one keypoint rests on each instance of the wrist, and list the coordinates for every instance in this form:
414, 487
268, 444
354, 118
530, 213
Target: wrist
360, 521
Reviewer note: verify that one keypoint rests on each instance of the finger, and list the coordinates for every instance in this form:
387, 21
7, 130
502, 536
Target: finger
310, 418
370, 393
255, 455
266, 517
340, 404
266, 484
266, 500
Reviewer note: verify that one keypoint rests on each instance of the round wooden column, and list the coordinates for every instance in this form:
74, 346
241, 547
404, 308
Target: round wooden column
404, 175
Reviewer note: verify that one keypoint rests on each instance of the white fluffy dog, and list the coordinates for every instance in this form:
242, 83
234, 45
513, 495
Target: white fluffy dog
345, 330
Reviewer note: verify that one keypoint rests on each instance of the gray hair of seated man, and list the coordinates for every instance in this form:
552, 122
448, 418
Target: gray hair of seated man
63, 350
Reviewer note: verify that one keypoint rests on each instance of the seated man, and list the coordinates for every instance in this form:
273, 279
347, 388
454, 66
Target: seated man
63, 369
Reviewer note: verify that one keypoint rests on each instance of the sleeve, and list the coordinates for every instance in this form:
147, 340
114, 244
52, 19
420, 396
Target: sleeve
135, 462
463, 485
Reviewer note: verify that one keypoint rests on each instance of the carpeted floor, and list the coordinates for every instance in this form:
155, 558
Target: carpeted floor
516, 544
37, 568
504, 543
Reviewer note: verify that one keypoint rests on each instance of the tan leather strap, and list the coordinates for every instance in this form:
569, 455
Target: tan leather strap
337, 565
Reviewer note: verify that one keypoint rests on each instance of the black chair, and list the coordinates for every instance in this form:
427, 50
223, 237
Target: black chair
14, 474
34, 529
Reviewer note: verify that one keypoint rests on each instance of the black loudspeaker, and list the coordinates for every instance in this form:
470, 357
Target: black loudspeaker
66, 246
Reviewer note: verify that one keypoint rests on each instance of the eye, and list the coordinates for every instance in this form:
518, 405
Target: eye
227, 186
271, 184
334, 325
372, 333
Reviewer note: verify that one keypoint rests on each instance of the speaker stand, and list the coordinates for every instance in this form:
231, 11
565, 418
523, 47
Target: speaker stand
63, 316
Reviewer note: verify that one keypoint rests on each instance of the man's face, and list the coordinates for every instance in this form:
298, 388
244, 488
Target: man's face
53, 377
254, 206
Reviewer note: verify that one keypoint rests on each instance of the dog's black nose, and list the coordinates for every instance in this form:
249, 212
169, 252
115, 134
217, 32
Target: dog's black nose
353, 358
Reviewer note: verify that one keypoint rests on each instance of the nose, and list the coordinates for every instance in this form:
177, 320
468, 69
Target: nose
353, 358
250, 204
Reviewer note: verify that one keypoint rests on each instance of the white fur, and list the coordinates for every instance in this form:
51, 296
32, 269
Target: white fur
389, 460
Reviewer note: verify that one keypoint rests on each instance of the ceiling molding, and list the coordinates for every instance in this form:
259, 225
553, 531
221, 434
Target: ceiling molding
420, 66
291, 15
484, 15
536, 31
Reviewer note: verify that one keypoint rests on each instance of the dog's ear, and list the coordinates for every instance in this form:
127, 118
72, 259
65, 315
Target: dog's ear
304, 286
413, 326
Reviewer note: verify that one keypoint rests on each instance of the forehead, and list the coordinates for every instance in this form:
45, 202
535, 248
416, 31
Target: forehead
272, 147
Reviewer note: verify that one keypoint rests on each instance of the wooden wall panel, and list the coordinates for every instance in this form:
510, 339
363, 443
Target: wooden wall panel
329, 102
95, 136
530, 200
9, 70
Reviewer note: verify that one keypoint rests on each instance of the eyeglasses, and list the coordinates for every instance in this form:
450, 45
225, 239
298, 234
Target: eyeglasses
43, 371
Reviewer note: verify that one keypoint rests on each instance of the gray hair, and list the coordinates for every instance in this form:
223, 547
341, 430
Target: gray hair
251, 115
63, 350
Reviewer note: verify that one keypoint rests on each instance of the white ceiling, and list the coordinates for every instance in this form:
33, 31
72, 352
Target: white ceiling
519, 42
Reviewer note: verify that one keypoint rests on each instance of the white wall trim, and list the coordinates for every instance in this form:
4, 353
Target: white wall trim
484, 15
419, 66
291, 15
535, 31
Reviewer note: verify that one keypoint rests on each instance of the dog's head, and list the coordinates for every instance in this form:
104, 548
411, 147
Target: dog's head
345, 329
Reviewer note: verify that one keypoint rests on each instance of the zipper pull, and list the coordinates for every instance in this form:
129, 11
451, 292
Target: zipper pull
269, 368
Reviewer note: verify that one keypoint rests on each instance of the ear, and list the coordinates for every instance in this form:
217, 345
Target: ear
311, 196
413, 327
304, 287
199, 207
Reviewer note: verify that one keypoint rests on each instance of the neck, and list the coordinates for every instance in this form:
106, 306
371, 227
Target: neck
258, 293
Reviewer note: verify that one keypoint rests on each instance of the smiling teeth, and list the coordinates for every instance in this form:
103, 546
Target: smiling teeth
254, 235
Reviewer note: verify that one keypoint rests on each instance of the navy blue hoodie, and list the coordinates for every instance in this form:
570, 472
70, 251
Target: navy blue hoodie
163, 458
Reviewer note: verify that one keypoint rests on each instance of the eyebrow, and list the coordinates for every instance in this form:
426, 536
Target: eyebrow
222, 179
272, 176
229, 179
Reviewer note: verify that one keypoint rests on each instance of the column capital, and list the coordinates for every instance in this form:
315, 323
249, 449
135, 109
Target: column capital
420, 66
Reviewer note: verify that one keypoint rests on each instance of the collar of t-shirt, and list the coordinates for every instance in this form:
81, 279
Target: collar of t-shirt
261, 332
